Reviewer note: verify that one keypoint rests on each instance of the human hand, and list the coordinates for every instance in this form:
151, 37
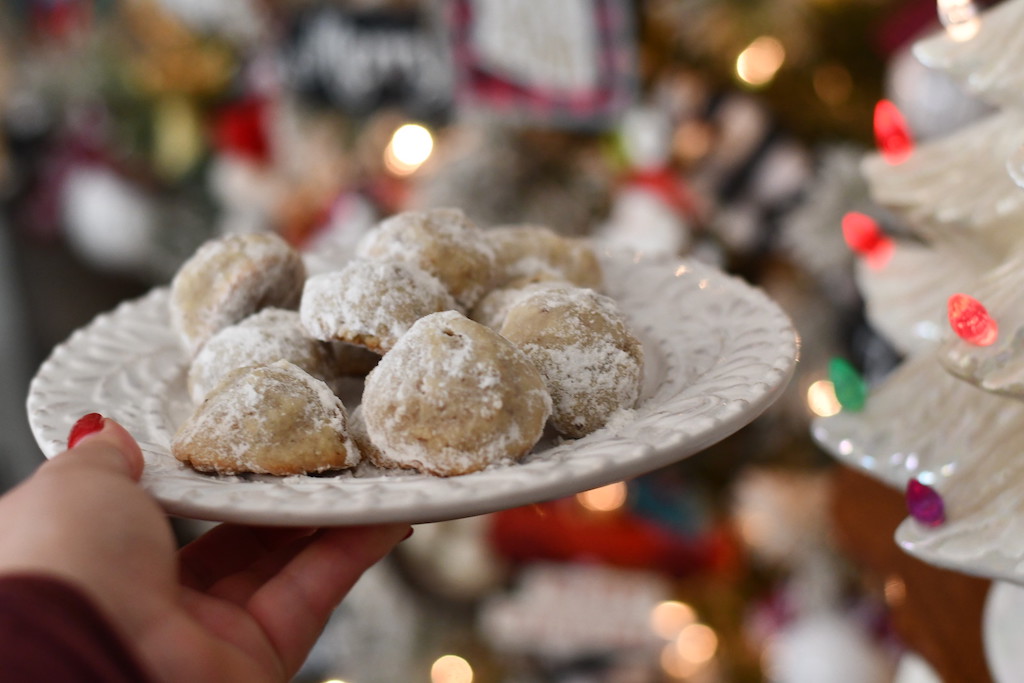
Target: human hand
239, 603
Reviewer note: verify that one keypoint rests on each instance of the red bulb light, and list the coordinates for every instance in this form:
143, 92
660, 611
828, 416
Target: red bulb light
863, 235
892, 134
971, 321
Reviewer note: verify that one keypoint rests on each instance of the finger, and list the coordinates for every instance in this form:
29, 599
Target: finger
293, 605
231, 548
99, 442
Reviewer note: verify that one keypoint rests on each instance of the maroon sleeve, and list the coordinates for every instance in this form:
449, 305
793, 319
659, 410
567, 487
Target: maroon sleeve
50, 631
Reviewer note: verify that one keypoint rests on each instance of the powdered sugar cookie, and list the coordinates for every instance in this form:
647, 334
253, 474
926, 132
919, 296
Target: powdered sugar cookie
370, 303
529, 251
494, 306
267, 419
590, 360
230, 278
272, 334
453, 397
442, 242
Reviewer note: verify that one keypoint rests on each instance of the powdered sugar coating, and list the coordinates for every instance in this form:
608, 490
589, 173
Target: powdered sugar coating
443, 242
532, 251
267, 419
591, 362
265, 337
230, 278
495, 305
370, 303
453, 397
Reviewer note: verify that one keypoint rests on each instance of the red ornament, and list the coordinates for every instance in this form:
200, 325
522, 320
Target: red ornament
863, 236
240, 128
971, 321
892, 134
924, 504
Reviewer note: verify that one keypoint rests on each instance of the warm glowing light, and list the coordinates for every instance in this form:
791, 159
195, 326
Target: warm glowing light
674, 665
670, 617
760, 61
892, 134
451, 669
691, 141
821, 399
697, 643
971, 321
960, 17
895, 591
410, 146
604, 499
850, 388
863, 235
335, 680
832, 84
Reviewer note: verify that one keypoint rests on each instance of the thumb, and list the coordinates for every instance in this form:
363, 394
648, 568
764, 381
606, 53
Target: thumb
98, 441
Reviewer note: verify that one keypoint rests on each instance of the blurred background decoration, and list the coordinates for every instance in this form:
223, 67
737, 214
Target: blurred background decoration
729, 131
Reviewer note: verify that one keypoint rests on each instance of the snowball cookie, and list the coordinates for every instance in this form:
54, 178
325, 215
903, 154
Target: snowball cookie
591, 362
370, 303
442, 242
494, 306
453, 397
230, 278
267, 419
526, 251
272, 334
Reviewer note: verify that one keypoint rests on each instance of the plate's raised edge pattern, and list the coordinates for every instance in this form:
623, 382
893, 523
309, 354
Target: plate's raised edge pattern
126, 362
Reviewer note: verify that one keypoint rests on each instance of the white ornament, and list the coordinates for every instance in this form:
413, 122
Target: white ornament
826, 647
109, 222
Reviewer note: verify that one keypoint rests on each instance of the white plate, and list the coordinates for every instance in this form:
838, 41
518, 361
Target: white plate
718, 352
1003, 631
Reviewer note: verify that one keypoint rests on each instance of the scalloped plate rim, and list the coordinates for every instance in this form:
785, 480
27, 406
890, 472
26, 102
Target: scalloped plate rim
538, 483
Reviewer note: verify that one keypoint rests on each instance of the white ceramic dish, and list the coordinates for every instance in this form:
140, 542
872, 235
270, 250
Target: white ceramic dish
718, 352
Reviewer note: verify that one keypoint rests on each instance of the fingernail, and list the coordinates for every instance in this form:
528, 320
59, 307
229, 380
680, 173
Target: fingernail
86, 425
407, 534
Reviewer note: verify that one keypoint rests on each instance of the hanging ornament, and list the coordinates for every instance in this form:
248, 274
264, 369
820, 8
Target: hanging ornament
971, 321
925, 504
892, 135
864, 237
850, 388
241, 129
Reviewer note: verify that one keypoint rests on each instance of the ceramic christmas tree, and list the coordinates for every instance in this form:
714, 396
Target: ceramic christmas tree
947, 426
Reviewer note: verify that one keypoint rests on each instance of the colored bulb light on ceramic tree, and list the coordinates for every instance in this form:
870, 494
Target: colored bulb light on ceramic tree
892, 134
925, 504
863, 236
850, 388
971, 321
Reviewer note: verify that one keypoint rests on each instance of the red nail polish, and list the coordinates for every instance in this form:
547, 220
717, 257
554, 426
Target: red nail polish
87, 424
407, 534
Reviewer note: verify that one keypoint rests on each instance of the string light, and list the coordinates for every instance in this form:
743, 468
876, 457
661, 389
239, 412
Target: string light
410, 147
971, 321
863, 235
925, 504
451, 669
821, 399
604, 499
960, 19
892, 134
758, 63
669, 618
850, 388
